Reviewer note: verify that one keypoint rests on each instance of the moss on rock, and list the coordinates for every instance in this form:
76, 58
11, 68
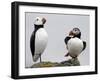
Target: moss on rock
70, 62
44, 64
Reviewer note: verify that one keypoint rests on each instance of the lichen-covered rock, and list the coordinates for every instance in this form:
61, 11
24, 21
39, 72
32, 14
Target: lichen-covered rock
44, 64
70, 62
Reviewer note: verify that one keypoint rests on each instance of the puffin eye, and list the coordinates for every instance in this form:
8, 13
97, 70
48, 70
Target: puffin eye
37, 19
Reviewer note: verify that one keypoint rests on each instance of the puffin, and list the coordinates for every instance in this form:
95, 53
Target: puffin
74, 44
38, 39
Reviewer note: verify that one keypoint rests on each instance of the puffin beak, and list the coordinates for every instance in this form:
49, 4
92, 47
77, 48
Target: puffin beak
71, 34
44, 20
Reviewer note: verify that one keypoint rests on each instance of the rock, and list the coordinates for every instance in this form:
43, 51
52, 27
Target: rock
44, 64
70, 62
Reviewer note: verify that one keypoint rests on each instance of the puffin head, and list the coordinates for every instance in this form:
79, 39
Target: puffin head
40, 21
75, 32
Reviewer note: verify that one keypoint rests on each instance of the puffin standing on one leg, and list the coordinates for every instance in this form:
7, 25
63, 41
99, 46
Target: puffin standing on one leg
74, 43
39, 39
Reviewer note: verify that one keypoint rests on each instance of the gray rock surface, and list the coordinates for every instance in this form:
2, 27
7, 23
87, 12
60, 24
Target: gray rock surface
70, 62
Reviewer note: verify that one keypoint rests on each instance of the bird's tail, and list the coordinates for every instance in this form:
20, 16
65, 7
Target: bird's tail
67, 54
36, 57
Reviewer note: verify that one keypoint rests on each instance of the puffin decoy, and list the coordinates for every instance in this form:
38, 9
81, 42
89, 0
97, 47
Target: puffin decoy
39, 39
74, 43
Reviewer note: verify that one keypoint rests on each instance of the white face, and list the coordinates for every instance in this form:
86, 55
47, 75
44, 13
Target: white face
76, 31
39, 21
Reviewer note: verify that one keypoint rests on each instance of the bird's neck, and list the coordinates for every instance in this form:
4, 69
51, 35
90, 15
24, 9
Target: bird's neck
78, 36
38, 26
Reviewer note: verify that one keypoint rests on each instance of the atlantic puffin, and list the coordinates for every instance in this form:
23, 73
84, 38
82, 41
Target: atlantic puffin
39, 39
74, 43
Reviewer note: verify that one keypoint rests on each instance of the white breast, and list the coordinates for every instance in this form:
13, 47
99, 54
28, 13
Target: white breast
41, 39
75, 46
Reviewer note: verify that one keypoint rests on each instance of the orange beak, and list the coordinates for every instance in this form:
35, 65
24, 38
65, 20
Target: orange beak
71, 34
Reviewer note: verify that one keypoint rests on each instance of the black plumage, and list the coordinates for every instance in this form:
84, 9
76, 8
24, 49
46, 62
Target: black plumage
32, 39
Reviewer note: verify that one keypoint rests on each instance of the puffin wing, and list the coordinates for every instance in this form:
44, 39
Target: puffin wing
32, 43
84, 45
41, 39
67, 39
